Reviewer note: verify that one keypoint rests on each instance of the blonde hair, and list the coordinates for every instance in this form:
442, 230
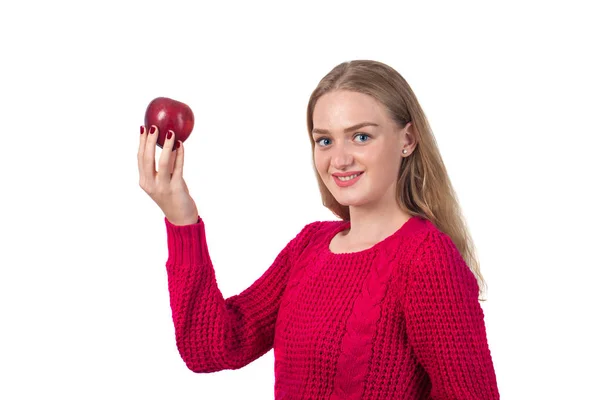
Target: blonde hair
424, 188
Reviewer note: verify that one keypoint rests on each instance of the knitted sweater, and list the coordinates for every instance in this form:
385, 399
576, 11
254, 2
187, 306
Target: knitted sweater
400, 320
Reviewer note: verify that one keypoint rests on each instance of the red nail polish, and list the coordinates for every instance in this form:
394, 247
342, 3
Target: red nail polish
169, 135
141, 129
178, 144
152, 130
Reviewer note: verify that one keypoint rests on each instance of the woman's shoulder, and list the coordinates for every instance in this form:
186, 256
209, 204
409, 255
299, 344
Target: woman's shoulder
436, 253
430, 257
410, 236
422, 230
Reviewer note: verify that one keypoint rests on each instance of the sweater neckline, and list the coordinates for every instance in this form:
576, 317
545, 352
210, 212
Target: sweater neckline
409, 226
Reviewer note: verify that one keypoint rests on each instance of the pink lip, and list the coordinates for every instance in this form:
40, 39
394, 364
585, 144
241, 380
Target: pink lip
341, 183
346, 173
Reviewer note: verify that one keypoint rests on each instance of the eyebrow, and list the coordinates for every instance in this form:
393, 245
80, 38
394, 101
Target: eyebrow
347, 130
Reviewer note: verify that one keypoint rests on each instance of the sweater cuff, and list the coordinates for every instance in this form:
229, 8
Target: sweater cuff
187, 244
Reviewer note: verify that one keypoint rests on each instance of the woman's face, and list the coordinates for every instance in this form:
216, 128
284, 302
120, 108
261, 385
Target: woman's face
344, 145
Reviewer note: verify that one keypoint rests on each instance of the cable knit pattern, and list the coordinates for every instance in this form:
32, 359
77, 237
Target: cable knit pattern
399, 320
353, 363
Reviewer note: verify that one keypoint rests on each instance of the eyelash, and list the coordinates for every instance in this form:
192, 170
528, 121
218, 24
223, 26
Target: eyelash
358, 134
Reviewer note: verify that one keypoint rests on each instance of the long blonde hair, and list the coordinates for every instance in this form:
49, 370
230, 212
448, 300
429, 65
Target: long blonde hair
424, 188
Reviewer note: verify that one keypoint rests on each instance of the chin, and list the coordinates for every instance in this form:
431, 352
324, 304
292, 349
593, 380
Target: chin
349, 201
346, 199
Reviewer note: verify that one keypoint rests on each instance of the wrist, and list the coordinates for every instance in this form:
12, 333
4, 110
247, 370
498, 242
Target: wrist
183, 221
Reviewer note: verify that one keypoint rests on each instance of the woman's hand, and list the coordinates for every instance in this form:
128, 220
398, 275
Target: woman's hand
166, 186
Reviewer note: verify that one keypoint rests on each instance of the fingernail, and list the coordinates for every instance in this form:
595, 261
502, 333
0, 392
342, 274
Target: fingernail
178, 144
141, 129
152, 130
169, 135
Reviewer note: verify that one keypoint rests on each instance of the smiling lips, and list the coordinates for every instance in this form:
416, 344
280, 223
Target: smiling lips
347, 179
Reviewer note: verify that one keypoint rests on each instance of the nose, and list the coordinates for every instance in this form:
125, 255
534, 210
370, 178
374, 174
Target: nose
341, 158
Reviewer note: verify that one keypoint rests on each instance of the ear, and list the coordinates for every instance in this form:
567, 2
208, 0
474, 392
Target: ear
409, 138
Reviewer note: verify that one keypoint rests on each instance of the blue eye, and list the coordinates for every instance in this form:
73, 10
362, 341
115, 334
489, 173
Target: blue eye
319, 140
363, 134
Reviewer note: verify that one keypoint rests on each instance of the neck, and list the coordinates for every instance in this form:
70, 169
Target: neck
371, 225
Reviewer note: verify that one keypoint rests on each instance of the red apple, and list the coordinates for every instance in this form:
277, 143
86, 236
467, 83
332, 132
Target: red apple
168, 114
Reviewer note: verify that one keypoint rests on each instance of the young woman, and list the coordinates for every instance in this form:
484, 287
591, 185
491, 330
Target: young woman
381, 304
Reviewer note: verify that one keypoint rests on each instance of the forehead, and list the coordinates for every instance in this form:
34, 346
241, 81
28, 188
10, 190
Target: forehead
344, 108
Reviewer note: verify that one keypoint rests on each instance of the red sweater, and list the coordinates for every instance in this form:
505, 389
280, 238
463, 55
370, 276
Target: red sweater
400, 320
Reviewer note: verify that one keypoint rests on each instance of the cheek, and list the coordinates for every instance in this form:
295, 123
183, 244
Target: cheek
369, 157
385, 159
320, 164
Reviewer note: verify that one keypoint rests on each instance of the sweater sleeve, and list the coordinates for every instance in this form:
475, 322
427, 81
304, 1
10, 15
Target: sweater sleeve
445, 323
213, 333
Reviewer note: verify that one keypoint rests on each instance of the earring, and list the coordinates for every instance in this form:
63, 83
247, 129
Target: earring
404, 151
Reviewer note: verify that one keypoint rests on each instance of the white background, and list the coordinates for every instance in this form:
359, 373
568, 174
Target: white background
510, 89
